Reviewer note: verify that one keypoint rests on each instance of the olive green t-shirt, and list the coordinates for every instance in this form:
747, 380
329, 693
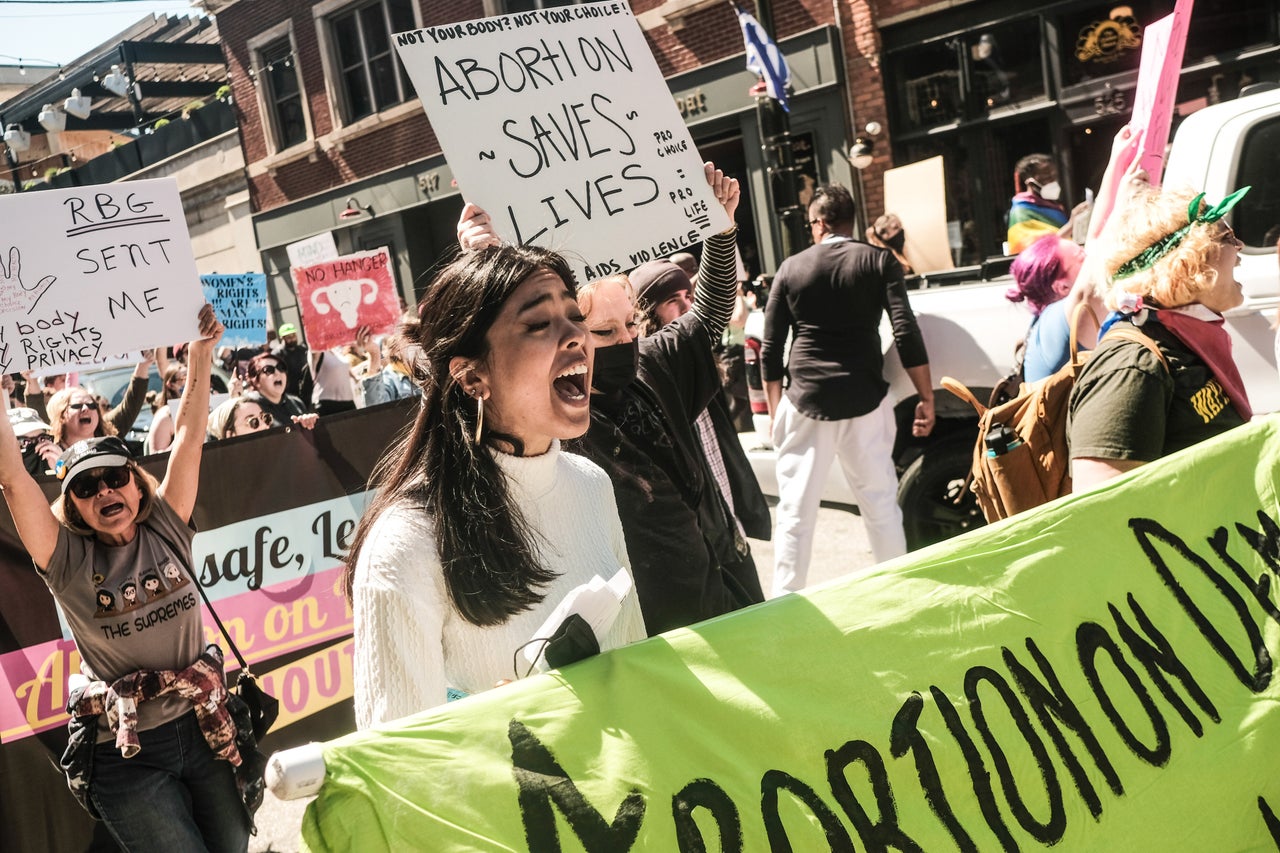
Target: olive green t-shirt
1126, 405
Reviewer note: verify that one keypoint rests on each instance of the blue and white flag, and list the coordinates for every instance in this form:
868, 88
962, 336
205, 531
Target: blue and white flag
764, 58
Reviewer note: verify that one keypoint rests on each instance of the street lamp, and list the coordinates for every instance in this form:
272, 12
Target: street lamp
862, 151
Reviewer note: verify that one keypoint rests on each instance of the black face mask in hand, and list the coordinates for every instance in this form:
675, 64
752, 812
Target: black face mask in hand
615, 367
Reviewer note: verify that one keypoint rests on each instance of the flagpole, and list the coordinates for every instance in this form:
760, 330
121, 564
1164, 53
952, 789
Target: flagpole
774, 124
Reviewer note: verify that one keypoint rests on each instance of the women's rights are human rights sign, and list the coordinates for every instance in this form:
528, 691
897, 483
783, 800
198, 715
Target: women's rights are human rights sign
559, 124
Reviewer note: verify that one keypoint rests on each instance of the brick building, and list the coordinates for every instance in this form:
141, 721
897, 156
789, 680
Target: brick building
337, 143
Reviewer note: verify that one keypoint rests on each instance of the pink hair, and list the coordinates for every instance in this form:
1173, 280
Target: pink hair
1044, 272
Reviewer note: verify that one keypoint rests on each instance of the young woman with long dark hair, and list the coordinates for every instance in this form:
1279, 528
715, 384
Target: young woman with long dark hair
481, 526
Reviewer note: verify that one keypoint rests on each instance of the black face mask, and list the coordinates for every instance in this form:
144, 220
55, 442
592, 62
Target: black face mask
896, 242
615, 367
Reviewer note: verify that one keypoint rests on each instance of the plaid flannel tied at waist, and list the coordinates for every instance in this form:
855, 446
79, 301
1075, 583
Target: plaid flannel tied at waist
202, 683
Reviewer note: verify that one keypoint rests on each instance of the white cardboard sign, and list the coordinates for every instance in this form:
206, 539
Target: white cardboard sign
559, 124
92, 272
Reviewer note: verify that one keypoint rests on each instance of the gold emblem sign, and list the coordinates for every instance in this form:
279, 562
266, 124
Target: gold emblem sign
1107, 41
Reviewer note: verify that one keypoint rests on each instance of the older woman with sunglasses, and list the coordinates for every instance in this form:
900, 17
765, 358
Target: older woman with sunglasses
115, 551
1170, 258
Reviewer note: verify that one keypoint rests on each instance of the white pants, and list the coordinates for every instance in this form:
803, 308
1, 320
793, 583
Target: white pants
864, 446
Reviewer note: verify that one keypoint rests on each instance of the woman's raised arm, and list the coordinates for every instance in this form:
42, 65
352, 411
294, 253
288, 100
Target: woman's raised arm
182, 476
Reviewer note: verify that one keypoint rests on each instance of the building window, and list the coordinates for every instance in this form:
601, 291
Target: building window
969, 76
369, 76
282, 95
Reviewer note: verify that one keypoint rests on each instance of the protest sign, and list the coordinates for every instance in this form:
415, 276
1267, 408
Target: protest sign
1163, 44
240, 301
92, 272
337, 297
559, 124
312, 250
1096, 674
917, 194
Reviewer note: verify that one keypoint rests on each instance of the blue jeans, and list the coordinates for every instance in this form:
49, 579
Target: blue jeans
173, 795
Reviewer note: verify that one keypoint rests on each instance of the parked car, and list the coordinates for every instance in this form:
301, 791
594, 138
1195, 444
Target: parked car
112, 382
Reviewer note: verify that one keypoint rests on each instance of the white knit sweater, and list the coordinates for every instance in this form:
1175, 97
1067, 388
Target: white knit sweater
411, 644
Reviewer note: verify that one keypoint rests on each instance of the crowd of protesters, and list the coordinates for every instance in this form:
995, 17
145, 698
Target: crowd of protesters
586, 424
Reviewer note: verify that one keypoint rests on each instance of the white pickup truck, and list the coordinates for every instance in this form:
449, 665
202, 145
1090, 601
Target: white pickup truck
971, 330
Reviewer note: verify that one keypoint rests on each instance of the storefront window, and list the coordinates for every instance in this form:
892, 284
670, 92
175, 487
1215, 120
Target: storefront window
1005, 64
962, 78
1217, 28
928, 85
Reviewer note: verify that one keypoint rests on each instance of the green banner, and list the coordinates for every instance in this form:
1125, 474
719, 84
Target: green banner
1095, 675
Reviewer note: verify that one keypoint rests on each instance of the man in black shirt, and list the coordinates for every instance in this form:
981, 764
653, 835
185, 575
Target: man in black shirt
831, 298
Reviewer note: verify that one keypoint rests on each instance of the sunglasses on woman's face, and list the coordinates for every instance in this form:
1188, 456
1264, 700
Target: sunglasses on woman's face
253, 421
29, 441
268, 369
87, 484
80, 407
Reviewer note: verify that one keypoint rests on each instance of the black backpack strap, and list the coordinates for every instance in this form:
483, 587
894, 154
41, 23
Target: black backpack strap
244, 665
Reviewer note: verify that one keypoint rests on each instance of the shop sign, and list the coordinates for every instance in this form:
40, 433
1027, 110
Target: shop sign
692, 104
1106, 41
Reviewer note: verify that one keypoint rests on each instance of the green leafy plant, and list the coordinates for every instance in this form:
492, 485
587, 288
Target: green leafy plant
162, 122
192, 107
224, 91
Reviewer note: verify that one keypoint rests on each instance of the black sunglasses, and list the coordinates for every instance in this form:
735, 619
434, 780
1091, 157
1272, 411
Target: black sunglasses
268, 369
254, 423
87, 484
29, 441
77, 407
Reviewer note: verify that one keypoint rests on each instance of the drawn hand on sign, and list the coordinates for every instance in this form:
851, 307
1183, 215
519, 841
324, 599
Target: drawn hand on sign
344, 297
19, 298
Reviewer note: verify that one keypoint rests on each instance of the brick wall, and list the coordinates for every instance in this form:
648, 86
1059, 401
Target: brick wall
363, 155
706, 36
713, 34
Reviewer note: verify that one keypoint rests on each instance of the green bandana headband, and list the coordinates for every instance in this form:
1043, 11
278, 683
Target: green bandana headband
1147, 258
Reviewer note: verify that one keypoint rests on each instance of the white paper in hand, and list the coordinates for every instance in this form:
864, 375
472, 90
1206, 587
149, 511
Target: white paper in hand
597, 601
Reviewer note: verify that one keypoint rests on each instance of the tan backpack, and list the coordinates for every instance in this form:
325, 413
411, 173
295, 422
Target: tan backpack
1020, 459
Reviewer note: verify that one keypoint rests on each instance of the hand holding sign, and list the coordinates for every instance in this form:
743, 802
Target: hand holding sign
1115, 181
475, 229
726, 189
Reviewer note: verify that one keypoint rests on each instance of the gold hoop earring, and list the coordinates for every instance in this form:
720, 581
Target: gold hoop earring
479, 417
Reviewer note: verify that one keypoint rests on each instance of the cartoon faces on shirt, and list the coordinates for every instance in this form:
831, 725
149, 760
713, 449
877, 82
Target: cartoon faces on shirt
153, 585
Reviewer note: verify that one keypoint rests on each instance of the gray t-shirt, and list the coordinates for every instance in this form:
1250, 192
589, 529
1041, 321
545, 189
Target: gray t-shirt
131, 607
